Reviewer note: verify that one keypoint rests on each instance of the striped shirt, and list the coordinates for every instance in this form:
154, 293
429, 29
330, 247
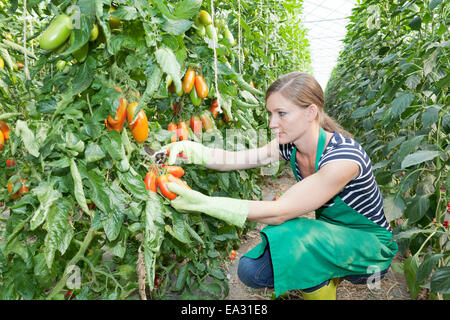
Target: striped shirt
362, 193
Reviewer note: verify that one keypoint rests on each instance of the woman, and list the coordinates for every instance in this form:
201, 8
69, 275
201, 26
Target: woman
350, 235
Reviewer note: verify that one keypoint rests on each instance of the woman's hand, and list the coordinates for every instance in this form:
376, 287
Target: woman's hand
233, 211
195, 152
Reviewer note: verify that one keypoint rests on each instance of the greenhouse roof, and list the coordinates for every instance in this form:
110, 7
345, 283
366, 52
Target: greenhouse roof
326, 21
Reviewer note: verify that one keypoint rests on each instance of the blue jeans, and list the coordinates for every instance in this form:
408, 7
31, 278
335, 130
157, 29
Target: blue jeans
258, 273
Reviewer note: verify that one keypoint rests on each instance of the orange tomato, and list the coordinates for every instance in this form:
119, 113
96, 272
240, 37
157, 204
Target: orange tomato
214, 108
201, 87
130, 113
173, 127
4, 129
2, 140
176, 171
188, 81
139, 128
183, 131
207, 121
118, 121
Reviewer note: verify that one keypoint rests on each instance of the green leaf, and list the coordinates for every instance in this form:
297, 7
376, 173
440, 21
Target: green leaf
27, 137
440, 281
419, 157
46, 106
400, 103
93, 152
407, 234
416, 23
186, 9
83, 78
169, 64
393, 207
176, 27
59, 231
78, 188
46, 196
125, 13
417, 208
430, 116
134, 184
411, 266
427, 266
162, 7
389, 58
434, 4
24, 283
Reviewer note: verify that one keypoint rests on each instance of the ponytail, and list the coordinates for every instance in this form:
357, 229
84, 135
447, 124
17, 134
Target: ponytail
330, 125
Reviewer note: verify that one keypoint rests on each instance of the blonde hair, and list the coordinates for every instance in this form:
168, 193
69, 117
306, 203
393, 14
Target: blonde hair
303, 90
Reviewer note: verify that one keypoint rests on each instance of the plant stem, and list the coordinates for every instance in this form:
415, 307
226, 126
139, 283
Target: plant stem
62, 282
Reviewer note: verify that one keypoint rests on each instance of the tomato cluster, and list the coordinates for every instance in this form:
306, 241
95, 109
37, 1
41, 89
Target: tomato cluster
125, 111
158, 178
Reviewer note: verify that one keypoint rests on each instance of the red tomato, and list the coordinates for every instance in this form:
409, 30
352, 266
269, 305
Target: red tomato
150, 181
196, 125
10, 163
161, 182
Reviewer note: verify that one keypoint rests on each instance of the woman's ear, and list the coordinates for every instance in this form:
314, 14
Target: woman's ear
312, 112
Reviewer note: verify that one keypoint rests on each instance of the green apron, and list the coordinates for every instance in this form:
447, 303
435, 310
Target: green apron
339, 242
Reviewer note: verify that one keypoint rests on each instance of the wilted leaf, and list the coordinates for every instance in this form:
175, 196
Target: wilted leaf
27, 137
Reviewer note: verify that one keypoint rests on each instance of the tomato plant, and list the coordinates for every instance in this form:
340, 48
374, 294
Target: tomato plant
87, 192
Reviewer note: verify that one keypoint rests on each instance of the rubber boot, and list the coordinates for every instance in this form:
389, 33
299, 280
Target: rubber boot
327, 292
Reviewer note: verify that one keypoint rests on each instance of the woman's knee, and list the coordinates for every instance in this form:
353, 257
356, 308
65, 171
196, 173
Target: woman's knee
256, 273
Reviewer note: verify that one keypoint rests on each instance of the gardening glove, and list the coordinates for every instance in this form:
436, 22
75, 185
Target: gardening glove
195, 152
232, 211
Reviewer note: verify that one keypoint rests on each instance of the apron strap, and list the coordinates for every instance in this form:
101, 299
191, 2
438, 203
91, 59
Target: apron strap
320, 147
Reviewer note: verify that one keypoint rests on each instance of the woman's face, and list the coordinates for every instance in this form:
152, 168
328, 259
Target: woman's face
287, 120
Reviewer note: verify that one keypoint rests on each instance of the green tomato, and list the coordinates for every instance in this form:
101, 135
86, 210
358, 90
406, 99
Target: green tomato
229, 38
205, 18
201, 31
195, 99
94, 33
56, 33
211, 32
60, 65
80, 54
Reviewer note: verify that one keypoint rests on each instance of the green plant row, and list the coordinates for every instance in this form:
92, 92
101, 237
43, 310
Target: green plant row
390, 88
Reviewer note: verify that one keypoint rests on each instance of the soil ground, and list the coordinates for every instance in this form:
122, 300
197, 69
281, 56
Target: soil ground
391, 287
